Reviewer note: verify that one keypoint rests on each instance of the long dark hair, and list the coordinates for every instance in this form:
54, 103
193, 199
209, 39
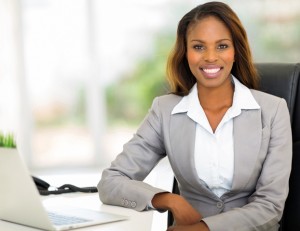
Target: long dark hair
179, 75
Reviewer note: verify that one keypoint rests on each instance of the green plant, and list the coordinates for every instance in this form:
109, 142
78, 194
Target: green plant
7, 140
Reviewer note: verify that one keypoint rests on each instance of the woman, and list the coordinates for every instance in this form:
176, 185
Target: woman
229, 145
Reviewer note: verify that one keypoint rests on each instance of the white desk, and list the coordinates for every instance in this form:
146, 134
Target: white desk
145, 221
91, 201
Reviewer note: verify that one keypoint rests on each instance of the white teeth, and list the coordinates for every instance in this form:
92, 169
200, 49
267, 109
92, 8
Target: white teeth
211, 71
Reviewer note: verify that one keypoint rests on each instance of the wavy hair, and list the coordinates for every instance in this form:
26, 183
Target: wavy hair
179, 75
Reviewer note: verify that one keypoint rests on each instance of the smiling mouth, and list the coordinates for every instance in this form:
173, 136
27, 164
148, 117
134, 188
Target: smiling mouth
211, 70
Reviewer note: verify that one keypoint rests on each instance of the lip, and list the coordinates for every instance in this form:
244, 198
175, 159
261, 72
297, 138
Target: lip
211, 71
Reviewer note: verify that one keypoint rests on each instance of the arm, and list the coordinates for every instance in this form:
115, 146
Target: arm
183, 212
186, 217
266, 204
201, 226
121, 184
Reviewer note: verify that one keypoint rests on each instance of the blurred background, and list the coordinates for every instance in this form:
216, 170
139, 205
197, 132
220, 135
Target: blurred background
77, 76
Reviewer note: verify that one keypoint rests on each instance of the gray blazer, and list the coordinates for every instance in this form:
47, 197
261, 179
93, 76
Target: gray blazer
262, 164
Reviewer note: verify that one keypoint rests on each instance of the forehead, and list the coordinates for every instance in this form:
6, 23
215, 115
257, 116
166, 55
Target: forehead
210, 27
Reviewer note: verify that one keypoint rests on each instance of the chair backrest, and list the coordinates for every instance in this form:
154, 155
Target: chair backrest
283, 80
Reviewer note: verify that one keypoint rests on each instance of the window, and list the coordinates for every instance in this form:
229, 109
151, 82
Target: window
67, 65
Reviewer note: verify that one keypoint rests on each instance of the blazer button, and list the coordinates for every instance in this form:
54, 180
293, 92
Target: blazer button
133, 204
126, 202
220, 205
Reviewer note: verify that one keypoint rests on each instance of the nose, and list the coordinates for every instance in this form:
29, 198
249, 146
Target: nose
210, 55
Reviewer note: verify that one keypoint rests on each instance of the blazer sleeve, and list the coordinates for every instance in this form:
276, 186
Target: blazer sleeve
266, 204
121, 184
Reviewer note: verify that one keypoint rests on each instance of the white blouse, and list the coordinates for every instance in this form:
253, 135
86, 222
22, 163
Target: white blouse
214, 152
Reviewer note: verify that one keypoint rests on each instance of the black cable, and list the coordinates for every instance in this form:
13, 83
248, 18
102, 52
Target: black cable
45, 189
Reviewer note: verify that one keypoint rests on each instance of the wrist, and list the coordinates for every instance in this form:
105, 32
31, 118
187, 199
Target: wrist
164, 201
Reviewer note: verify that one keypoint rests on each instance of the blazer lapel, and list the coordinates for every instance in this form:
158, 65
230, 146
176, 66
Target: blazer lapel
247, 132
182, 138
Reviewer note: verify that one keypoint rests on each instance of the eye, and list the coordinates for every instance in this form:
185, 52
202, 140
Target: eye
198, 47
222, 46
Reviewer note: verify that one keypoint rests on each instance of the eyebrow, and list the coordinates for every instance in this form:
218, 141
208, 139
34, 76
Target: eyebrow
220, 40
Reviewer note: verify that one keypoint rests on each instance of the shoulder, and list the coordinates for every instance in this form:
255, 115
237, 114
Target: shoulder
265, 99
269, 104
166, 102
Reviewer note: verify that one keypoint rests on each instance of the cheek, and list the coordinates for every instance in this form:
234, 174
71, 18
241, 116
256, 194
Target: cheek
192, 58
229, 56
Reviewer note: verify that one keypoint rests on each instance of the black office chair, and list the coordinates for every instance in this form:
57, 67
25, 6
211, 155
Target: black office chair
282, 79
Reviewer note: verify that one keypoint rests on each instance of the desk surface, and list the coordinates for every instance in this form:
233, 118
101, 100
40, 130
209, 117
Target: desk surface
161, 177
91, 201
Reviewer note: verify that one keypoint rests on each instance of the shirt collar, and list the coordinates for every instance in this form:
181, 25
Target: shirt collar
242, 99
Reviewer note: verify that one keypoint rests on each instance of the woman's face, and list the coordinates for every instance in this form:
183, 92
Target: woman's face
210, 52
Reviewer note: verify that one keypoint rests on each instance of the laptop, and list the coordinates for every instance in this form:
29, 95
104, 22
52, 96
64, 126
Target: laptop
21, 203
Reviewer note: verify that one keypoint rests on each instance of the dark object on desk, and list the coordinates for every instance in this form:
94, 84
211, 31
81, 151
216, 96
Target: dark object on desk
282, 79
46, 189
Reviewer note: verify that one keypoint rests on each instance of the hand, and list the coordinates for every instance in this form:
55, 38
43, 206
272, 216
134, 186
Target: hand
201, 226
183, 212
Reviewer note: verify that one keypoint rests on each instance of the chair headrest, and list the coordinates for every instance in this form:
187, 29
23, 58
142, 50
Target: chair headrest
280, 79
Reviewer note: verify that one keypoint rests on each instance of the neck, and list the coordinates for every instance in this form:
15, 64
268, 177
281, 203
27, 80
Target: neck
216, 98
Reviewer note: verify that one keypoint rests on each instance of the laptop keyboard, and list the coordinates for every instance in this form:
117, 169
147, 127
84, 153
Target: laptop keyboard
58, 219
